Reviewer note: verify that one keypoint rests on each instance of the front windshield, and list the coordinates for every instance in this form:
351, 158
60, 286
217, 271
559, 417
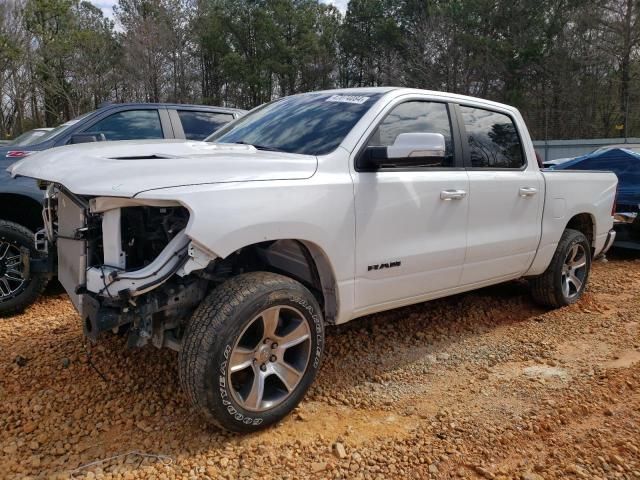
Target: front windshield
61, 128
311, 124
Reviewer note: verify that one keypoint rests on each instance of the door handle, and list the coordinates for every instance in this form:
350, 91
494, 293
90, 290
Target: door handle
528, 191
452, 195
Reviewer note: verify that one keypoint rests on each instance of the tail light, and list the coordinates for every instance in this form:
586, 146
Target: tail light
615, 202
18, 153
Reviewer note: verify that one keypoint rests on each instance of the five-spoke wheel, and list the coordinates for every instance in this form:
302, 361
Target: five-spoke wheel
565, 279
251, 350
269, 358
574, 270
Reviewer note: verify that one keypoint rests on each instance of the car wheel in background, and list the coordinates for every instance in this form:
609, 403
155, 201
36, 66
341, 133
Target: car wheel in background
16, 290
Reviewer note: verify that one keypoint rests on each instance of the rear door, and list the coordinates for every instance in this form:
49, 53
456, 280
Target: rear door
506, 197
410, 233
195, 124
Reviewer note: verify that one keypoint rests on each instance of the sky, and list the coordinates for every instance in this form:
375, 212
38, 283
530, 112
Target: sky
107, 5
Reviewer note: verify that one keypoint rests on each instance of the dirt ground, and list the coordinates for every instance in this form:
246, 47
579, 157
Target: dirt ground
481, 385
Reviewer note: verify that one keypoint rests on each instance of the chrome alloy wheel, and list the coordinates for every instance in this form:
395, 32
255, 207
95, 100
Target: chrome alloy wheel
574, 271
11, 270
269, 358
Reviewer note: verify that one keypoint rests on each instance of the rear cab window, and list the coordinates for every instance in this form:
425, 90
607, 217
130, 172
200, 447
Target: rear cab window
493, 139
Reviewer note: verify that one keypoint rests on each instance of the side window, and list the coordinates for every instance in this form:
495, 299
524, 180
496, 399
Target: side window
129, 125
199, 125
417, 117
493, 139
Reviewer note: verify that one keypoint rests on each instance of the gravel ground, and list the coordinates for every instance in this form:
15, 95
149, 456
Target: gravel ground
481, 385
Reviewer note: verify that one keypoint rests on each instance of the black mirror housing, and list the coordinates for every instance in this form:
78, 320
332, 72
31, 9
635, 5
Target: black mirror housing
372, 158
87, 138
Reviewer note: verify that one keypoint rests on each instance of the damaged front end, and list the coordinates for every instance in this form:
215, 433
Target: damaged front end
127, 264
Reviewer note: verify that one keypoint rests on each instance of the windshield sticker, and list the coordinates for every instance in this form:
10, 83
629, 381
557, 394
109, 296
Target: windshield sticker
348, 99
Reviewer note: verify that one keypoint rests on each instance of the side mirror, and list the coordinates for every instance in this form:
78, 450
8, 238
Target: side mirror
87, 138
408, 149
417, 145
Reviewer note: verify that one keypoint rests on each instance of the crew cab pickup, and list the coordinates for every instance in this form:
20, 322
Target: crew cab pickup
310, 211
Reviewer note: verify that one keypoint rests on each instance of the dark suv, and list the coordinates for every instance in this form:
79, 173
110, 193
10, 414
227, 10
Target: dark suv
24, 272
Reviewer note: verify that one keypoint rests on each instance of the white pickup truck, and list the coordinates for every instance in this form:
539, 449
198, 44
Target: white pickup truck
311, 210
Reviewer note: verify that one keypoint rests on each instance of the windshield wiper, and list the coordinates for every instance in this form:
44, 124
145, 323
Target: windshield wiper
260, 147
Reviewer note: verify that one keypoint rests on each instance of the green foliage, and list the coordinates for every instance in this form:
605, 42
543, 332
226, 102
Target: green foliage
73, 52
571, 66
255, 50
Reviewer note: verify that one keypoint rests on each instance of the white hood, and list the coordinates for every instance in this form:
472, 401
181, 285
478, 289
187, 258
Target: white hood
124, 169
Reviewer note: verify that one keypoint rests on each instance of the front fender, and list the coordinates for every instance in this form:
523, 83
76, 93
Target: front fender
319, 211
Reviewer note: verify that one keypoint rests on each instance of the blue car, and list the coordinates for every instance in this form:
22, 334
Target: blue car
624, 161
24, 272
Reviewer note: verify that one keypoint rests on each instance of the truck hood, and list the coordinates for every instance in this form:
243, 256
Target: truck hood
126, 168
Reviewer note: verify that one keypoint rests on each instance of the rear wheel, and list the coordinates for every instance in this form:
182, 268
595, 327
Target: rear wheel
17, 291
566, 278
251, 350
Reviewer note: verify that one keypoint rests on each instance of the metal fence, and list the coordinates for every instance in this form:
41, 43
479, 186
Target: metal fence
554, 149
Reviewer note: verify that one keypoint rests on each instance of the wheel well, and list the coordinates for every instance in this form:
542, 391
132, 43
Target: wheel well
22, 210
300, 260
583, 222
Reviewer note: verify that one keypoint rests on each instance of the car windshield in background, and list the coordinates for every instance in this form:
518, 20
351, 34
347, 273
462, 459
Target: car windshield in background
27, 138
311, 124
61, 128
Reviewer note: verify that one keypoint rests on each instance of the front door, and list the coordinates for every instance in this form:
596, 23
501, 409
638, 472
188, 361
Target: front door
410, 222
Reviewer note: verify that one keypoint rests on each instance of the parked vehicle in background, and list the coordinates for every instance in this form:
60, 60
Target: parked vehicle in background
624, 161
21, 199
312, 210
557, 161
634, 147
29, 137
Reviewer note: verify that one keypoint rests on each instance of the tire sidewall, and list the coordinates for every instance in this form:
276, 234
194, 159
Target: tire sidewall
218, 394
577, 238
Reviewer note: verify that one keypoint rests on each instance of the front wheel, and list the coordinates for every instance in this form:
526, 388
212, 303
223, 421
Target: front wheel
17, 290
251, 350
565, 279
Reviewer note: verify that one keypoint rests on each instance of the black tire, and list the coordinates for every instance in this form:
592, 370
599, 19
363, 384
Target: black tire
547, 289
215, 329
18, 236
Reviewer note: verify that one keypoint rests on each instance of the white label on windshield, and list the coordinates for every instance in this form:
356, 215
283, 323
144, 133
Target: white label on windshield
347, 99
